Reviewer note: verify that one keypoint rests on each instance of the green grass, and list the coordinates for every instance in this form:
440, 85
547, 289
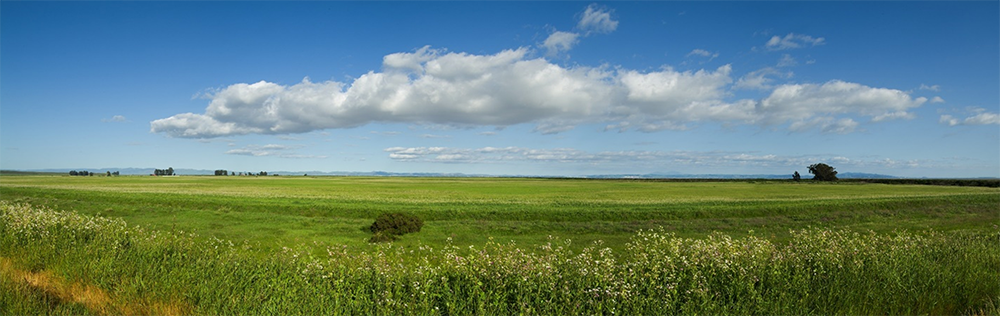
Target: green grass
280, 211
282, 245
819, 271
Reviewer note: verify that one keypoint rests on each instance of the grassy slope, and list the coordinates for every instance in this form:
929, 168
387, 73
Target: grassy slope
280, 211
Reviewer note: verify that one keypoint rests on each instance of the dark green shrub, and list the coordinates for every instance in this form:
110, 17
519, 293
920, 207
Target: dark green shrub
396, 224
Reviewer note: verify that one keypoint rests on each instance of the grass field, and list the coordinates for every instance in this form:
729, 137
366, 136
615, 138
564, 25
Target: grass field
283, 211
495, 246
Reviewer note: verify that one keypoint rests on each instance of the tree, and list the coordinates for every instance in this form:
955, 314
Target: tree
170, 171
823, 172
73, 173
796, 176
109, 173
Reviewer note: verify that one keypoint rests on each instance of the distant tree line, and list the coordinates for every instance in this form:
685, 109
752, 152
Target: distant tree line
90, 174
990, 183
223, 172
164, 172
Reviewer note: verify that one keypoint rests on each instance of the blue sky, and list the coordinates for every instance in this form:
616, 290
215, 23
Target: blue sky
543, 88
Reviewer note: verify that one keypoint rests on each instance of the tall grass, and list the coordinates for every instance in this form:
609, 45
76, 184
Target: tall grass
819, 272
278, 211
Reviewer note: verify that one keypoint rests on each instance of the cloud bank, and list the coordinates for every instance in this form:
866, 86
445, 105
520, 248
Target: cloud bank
432, 86
710, 159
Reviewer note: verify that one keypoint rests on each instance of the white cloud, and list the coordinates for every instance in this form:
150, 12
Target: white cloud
761, 79
272, 150
826, 125
934, 88
597, 20
433, 87
815, 105
703, 53
950, 120
937, 100
793, 40
426, 86
787, 61
667, 100
559, 41
980, 118
434, 136
190, 125
594, 20
113, 119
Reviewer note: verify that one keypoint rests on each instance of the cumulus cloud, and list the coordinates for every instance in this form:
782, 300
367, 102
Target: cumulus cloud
440, 88
559, 41
816, 105
425, 86
791, 41
980, 118
937, 100
597, 20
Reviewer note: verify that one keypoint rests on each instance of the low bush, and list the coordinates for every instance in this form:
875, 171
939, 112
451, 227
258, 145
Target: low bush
395, 224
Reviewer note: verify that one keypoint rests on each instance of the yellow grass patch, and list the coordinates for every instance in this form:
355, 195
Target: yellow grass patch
91, 297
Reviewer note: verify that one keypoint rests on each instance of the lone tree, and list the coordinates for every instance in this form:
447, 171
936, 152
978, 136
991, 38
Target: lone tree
823, 172
796, 176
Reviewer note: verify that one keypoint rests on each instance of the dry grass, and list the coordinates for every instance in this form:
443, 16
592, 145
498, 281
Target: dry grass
94, 299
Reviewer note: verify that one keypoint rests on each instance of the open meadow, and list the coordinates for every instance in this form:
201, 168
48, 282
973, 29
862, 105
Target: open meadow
210, 245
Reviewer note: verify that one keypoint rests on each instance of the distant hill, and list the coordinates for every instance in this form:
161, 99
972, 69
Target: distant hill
859, 175
24, 173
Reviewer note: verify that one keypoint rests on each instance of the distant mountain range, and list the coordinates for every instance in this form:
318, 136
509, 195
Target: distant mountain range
669, 175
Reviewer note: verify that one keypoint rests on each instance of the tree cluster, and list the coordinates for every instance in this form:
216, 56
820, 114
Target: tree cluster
222, 172
85, 173
823, 172
164, 172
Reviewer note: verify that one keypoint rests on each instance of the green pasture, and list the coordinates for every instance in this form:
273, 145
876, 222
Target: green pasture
298, 245
275, 212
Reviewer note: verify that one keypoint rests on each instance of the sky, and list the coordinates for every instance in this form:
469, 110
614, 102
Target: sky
908, 89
